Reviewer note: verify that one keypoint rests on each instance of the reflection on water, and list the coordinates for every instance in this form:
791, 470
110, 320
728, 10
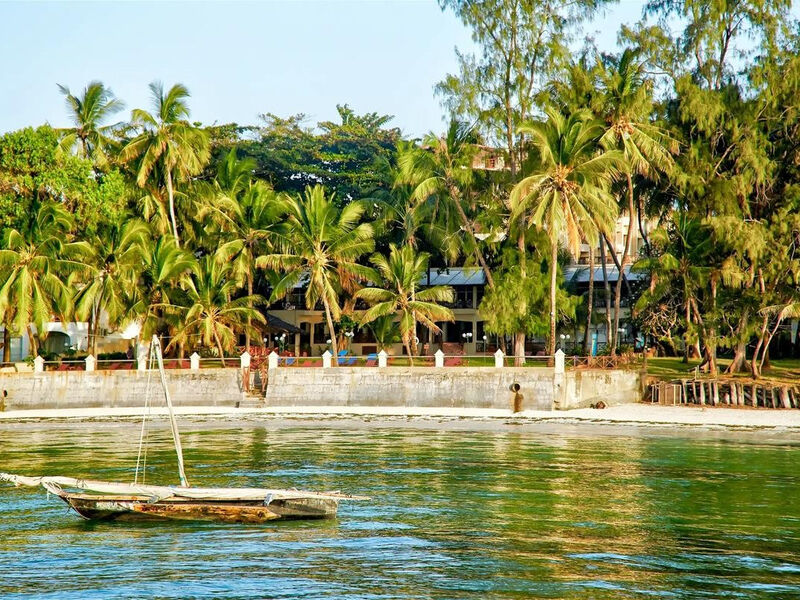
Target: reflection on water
454, 515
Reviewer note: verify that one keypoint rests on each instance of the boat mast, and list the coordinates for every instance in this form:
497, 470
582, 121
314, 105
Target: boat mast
175, 435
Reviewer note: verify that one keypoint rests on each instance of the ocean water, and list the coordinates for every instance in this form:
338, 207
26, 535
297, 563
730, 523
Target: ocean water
454, 514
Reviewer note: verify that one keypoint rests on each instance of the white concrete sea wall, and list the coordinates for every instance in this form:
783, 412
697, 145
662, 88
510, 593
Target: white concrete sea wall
459, 387
108, 389
452, 387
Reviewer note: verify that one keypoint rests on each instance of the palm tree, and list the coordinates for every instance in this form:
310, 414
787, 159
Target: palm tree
647, 149
211, 315
158, 295
33, 270
441, 172
250, 215
400, 276
89, 111
169, 148
385, 330
113, 259
405, 221
321, 246
685, 246
567, 193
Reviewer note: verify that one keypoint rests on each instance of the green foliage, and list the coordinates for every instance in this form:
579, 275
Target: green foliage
320, 248
351, 158
401, 293
168, 149
210, 316
89, 137
521, 46
693, 126
517, 304
385, 330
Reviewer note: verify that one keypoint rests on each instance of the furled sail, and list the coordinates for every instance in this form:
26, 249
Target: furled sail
164, 492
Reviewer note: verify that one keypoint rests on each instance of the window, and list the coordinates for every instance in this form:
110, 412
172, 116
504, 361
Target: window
463, 297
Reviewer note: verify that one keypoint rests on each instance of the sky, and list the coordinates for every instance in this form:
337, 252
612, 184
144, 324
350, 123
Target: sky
241, 59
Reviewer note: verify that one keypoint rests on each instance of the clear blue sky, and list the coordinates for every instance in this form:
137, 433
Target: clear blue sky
240, 59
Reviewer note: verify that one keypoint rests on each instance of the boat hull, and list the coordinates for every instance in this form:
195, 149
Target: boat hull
127, 508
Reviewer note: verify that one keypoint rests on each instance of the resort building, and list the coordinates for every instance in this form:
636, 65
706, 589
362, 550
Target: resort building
295, 329
305, 332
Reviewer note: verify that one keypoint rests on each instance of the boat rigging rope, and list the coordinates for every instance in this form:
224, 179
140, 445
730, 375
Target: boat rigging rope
141, 457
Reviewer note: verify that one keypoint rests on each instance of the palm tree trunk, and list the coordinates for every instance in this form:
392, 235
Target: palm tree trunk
553, 270
642, 232
623, 262
407, 343
519, 337
249, 319
590, 305
688, 317
6, 344
606, 292
96, 330
33, 342
465, 222
89, 330
613, 254
219, 348
332, 332
170, 196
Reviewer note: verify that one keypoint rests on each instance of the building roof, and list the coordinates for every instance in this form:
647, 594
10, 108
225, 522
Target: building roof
277, 324
580, 273
455, 276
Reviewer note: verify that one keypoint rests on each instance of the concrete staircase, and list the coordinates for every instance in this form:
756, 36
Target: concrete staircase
253, 400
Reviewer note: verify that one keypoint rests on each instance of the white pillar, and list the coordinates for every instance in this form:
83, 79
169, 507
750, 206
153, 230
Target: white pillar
559, 361
90, 363
297, 345
38, 364
194, 361
439, 358
499, 358
382, 358
244, 360
326, 359
272, 360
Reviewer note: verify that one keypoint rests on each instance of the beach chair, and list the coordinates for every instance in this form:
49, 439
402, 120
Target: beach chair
340, 359
372, 360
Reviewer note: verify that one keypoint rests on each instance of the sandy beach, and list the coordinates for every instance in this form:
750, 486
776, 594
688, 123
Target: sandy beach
641, 415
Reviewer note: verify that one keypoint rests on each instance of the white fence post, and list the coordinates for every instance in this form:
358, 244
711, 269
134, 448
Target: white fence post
439, 358
499, 358
141, 359
244, 360
326, 359
38, 364
382, 358
272, 360
90, 363
559, 361
194, 361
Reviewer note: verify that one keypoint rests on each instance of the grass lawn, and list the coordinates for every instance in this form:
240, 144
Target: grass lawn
674, 368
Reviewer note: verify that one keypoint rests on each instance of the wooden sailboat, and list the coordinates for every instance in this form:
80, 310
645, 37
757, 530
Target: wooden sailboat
105, 500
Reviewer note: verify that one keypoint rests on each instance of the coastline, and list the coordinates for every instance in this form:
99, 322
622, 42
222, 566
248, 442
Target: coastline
627, 415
